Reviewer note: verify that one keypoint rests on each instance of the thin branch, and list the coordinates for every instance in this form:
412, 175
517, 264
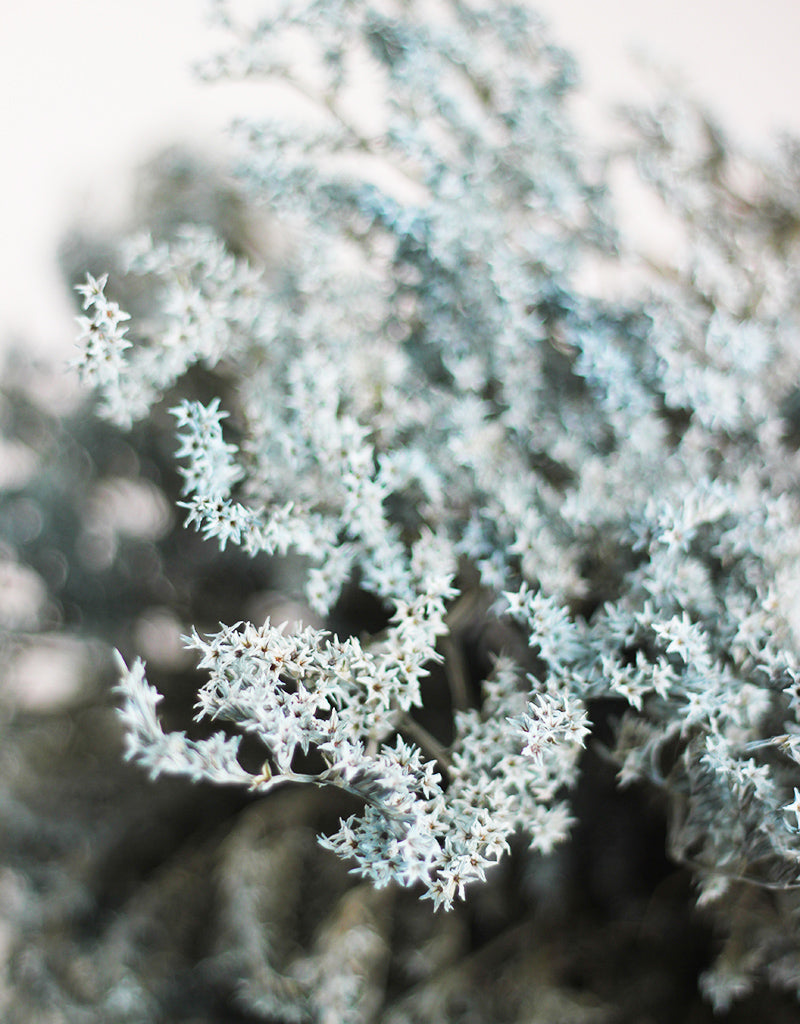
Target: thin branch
425, 741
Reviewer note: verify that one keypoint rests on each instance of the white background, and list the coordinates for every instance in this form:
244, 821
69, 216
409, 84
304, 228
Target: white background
89, 89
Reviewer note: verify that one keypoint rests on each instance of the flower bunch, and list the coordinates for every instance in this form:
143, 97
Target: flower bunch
432, 406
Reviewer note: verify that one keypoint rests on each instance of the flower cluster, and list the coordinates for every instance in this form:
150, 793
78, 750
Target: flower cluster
307, 693
102, 343
434, 406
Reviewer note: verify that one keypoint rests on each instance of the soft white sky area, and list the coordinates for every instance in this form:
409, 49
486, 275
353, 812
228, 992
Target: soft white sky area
92, 88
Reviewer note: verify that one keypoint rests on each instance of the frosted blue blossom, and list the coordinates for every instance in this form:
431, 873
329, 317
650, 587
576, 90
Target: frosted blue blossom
599, 492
